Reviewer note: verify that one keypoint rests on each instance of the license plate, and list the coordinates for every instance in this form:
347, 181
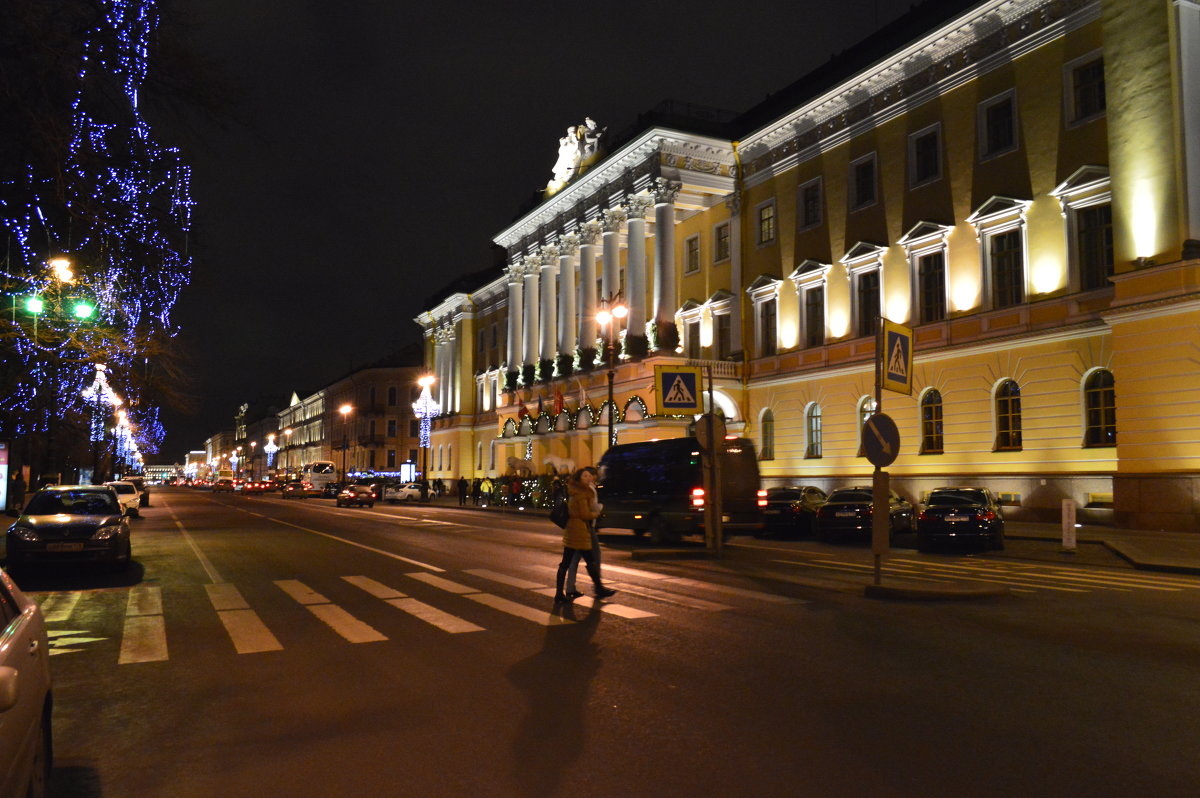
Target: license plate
725, 519
64, 547
847, 514
953, 518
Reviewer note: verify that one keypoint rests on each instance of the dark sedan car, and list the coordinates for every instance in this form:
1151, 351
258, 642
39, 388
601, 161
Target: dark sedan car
71, 523
793, 510
294, 490
960, 515
847, 513
358, 495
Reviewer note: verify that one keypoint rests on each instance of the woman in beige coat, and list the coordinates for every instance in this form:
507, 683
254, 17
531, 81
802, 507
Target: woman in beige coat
583, 508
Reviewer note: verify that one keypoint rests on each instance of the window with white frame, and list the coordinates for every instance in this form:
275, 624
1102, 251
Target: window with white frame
721, 242
766, 223
764, 293
864, 264
810, 278
867, 407
812, 429
1000, 225
862, 182
691, 338
1100, 409
925, 155
691, 254
767, 444
1084, 89
1008, 416
809, 202
931, 422
1086, 199
925, 245
723, 334
998, 125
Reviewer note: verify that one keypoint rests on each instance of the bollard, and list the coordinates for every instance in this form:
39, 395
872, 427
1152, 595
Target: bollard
1068, 526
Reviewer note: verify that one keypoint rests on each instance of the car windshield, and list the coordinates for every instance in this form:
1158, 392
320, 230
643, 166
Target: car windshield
73, 502
119, 488
850, 495
956, 498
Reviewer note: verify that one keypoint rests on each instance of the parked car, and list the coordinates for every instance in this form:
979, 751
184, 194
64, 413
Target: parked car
847, 513
294, 490
128, 495
793, 509
402, 492
223, 484
357, 495
960, 515
658, 487
26, 695
143, 493
72, 523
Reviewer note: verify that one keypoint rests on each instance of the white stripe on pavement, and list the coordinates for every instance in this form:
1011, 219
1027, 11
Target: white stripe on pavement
300, 592
376, 589
505, 579
432, 615
591, 602
735, 591
247, 631
442, 584
145, 600
58, 606
345, 624
518, 610
144, 640
417, 563
225, 596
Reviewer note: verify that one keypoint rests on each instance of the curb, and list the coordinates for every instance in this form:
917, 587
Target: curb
670, 554
947, 593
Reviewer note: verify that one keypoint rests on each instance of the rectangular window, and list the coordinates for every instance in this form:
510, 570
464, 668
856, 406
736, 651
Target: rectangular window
371, 459
1008, 269
931, 277
692, 339
414, 429
691, 261
412, 455
766, 223
721, 245
868, 302
998, 126
391, 458
391, 428
814, 316
925, 156
810, 204
392, 396
723, 340
1094, 244
862, 182
1087, 90
766, 327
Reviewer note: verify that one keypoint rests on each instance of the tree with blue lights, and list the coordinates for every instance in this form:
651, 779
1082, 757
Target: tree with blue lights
95, 214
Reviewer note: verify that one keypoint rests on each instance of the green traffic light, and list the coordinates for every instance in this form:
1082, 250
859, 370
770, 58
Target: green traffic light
34, 304
84, 310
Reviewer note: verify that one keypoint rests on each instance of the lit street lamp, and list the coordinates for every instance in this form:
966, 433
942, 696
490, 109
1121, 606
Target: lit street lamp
426, 409
612, 310
345, 410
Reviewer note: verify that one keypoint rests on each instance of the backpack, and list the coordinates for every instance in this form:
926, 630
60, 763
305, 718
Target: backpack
559, 513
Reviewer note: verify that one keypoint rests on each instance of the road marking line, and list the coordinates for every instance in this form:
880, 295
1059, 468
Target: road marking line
145, 600
675, 598
300, 592
442, 584
225, 596
346, 624
634, 572
417, 563
247, 631
505, 579
736, 591
58, 606
432, 615
213, 576
518, 610
376, 589
144, 640
591, 602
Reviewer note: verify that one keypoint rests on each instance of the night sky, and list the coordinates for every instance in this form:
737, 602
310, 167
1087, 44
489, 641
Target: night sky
380, 145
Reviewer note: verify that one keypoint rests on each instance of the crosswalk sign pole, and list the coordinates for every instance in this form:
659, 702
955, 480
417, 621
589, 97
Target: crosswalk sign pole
880, 518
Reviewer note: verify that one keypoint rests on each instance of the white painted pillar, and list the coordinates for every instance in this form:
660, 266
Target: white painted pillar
549, 309
588, 237
568, 249
515, 317
610, 278
531, 265
635, 265
734, 203
665, 300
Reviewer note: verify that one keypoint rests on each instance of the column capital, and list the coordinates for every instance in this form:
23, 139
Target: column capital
568, 244
515, 271
665, 191
590, 232
613, 219
638, 205
734, 203
530, 264
549, 255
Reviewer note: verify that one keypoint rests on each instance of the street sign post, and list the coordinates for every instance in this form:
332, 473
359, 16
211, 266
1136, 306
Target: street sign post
678, 390
880, 440
896, 357
710, 433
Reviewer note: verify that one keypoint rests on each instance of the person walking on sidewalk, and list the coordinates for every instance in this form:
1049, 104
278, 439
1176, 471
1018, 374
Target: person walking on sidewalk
462, 491
583, 508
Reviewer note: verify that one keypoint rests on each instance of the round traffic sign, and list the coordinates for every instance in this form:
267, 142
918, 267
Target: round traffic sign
880, 440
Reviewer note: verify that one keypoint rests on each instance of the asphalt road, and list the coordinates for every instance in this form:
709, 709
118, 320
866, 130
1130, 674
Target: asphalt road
263, 647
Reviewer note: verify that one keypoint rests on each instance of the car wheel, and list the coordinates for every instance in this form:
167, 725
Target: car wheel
660, 533
372, 504
120, 564
998, 542
923, 543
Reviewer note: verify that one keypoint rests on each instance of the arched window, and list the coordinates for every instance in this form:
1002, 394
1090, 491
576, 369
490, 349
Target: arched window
1008, 417
931, 422
479, 456
812, 425
767, 449
1100, 402
867, 407
450, 457
441, 451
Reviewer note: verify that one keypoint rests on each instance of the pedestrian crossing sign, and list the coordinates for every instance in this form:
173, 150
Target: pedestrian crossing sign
897, 357
678, 390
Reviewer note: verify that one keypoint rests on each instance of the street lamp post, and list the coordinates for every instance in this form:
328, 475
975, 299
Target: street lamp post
426, 409
612, 310
345, 410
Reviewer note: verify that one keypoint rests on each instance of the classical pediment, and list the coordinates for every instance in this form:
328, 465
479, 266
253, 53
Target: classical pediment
924, 231
998, 206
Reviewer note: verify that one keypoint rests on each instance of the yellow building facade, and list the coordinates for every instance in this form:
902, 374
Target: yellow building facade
1020, 185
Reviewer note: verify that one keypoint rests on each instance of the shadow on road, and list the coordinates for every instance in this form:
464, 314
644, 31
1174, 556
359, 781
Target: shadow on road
556, 682
77, 577
75, 781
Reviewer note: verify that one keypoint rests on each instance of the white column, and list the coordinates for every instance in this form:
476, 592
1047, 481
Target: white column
1188, 32
455, 389
588, 237
635, 265
734, 203
610, 278
531, 265
549, 309
568, 249
665, 301
515, 315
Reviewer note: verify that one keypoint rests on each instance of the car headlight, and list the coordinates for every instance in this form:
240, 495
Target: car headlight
25, 533
107, 531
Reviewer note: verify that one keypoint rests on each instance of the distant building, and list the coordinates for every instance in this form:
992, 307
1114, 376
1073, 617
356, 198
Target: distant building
1017, 180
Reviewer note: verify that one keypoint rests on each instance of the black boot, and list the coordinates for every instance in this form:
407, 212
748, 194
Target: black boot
559, 596
601, 591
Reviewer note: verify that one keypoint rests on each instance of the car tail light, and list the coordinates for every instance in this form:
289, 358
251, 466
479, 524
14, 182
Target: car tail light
762, 498
697, 497
372, 495
985, 515
923, 516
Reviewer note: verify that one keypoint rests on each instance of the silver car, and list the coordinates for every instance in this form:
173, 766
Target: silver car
128, 494
26, 749
71, 523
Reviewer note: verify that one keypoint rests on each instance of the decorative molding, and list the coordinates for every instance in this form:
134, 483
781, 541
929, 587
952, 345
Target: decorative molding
665, 191
638, 205
589, 232
568, 244
549, 256
613, 219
